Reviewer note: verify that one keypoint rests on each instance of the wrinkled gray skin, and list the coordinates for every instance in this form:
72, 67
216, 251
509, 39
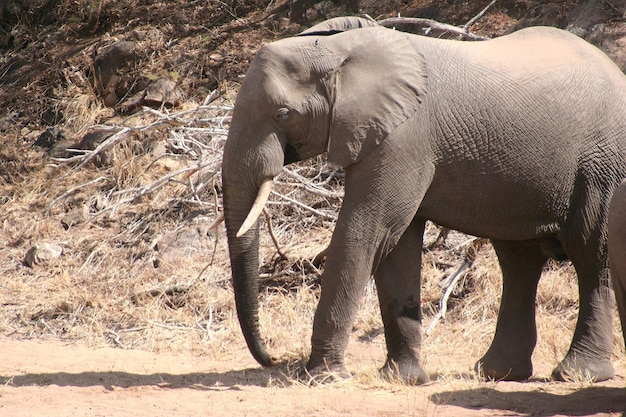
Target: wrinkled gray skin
519, 139
617, 250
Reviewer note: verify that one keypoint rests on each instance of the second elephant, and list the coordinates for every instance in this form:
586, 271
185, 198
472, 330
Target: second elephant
617, 249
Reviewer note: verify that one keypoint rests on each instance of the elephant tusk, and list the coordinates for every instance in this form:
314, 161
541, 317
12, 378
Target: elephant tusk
217, 221
257, 208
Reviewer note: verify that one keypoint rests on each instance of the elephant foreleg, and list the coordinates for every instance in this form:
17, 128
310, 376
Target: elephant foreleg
378, 207
509, 356
398, 283
354, 255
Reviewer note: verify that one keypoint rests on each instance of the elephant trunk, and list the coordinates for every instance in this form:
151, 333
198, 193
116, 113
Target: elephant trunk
244, 259
245, 266
247, 183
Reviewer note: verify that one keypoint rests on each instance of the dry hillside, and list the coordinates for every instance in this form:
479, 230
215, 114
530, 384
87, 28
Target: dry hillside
113, 114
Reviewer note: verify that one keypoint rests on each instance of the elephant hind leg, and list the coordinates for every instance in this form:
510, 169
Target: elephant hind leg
589, 355
585, 242
398, 283
509, 356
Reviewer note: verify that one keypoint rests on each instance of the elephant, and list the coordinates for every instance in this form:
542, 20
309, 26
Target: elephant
617, 248
519, 139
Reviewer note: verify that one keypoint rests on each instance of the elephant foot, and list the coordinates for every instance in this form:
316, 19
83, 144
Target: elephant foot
499, 369
576, 368
407, 371
324, 373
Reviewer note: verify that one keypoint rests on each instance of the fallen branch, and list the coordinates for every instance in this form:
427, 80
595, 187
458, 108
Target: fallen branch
473, 246
430, 27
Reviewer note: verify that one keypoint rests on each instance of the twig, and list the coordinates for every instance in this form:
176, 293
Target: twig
305, 207
209, 322
168, 326
119, 135
211, 97
155, 185
230, 11
443, 302
47, 326
206, 267
72, 191
473, 20
270, 229
615, 9
115, 337
450, 283
217, 235
304, 183
148, 189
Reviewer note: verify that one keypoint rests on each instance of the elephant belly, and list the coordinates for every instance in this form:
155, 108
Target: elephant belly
495, 210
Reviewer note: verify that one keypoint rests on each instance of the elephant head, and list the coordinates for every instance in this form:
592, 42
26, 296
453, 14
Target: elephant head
336, 91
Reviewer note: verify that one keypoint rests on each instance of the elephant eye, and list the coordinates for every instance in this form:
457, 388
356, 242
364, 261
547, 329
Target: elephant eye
281, 114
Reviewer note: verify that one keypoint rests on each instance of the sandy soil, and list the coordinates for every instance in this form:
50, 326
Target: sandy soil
53, 378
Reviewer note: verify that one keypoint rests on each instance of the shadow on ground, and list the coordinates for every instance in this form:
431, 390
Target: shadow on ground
119, 379
582, 402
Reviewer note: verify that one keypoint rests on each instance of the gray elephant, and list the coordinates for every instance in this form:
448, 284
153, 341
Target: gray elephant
520, 139
617, 250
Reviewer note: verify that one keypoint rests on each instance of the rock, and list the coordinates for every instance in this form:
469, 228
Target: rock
74, 217
140, 35
601, 23
612, 40
42, 253
172, 248
50, 138
163, 92
108, 64
7, 120
90, 141
215, 60
283, 23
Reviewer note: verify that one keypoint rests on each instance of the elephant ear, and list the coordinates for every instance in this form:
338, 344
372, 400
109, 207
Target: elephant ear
338, 25
377, 87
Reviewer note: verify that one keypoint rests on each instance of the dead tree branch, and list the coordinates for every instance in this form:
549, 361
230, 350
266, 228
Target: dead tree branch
474, 19
429, 27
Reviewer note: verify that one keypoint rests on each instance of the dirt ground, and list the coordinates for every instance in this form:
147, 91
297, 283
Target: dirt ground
48, 377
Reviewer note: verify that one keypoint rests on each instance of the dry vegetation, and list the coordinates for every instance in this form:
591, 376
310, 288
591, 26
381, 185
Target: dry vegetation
140, 269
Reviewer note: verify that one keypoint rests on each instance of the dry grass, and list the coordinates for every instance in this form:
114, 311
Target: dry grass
142, 271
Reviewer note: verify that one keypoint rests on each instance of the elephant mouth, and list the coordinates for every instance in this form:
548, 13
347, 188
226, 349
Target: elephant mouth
291, 155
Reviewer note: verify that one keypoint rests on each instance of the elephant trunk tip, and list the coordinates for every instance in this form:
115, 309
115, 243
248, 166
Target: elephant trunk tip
262, 357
